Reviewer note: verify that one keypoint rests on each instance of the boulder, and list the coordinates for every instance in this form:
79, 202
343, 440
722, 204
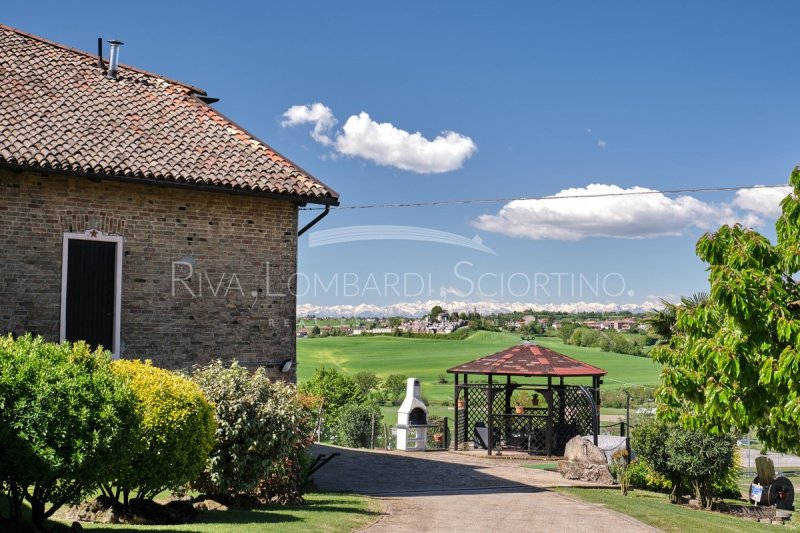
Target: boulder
585, 462
101, 510
209, 505
105, 510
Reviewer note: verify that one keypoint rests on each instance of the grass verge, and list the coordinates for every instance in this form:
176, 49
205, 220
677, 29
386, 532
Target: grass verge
655, 510
329, 513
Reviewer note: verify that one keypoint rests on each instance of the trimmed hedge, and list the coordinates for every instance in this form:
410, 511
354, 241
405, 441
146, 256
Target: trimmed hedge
175, 436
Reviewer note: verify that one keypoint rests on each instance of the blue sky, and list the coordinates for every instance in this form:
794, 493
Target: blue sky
661, 95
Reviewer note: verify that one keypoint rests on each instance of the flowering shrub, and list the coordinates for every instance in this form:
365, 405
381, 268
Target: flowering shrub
259, 422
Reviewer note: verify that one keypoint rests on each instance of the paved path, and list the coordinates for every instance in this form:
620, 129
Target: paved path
446, 491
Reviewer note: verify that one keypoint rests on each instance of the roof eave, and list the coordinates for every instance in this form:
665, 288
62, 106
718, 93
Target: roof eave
301, 200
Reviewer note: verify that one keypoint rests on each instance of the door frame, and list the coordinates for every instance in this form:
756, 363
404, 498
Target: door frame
94, 235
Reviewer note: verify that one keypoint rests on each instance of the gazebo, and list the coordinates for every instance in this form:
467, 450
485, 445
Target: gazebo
484, 411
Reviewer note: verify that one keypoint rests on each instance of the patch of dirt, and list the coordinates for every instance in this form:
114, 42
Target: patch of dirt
105, 510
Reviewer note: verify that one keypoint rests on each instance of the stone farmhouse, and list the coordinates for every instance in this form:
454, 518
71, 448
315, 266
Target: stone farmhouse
135, 216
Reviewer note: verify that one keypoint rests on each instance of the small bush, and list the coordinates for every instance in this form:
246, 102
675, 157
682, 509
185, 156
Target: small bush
175, 435
66, 420
289, 475
686, 456
356, 423
642, 476
620, 470
257, 421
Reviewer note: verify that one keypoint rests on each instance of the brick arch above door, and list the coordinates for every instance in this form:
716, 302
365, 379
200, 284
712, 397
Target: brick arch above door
82, 221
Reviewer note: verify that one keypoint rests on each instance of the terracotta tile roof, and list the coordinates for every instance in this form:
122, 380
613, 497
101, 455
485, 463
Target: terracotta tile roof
59, 112
528, 360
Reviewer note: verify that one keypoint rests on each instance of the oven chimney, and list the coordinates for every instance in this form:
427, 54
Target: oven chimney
113, 62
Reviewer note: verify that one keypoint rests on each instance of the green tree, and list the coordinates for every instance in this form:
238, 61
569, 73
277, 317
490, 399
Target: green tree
337, 389
436, 310
395, 387
366, 381
702, 458
355, 425
566, 330
734, 360
694, 457
66, 422
662, 321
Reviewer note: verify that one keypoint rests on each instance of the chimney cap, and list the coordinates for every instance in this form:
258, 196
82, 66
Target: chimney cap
114, 41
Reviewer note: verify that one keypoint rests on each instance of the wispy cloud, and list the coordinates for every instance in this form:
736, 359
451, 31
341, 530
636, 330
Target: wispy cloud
319, 115
601, 143
625, 216
382, 142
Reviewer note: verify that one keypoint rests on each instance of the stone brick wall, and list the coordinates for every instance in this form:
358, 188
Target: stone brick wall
232, 245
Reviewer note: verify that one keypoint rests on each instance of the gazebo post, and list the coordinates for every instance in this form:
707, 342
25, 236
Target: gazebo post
490, 408
455, 411
548, 435
466, 408
508, 395
596, 414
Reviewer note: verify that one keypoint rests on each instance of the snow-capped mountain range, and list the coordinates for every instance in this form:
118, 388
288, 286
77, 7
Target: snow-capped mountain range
420, 307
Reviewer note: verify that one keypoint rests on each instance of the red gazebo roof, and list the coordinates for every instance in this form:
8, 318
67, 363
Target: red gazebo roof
528, 360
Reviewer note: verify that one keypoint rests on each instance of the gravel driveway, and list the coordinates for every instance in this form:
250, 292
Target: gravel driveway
447, 491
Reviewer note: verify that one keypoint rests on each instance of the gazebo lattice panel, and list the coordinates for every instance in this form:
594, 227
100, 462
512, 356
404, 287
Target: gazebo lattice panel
574, 415
523, 432
476, 398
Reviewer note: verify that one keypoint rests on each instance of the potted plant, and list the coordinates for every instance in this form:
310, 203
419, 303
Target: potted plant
460, 403
519, 406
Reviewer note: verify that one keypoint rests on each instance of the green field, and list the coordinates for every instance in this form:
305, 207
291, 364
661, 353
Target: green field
426, 359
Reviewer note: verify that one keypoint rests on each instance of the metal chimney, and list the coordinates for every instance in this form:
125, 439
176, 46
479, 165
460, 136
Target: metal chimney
113, 64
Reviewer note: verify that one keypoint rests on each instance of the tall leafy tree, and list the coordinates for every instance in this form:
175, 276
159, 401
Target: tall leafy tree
733, 361
662, 321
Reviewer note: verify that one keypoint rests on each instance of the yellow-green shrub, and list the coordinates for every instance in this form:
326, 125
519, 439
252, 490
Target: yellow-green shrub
175, 436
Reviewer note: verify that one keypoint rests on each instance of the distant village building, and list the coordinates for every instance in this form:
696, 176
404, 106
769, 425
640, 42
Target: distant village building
444, 324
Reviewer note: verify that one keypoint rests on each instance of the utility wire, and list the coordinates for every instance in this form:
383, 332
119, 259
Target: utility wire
435, 203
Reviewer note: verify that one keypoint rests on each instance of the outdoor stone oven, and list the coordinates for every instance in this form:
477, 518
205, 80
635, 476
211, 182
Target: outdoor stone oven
412, 420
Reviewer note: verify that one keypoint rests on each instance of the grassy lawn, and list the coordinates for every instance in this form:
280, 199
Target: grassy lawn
655, 510
542, 466
331, 513
426, 359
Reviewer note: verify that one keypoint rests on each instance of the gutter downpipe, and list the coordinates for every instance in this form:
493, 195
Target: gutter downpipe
313, 222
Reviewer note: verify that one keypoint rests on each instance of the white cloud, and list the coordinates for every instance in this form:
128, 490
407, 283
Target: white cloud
382, 142
319, 115
601, 143
624, 217
764, 201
